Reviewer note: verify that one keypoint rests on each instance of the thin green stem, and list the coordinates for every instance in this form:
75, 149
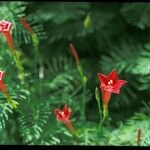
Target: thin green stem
99, 110
20, 67
84, 84
105, 115
84, 102
10, 101
97, 96
37, 59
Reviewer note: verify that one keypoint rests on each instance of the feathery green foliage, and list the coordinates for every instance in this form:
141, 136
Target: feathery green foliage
107, 37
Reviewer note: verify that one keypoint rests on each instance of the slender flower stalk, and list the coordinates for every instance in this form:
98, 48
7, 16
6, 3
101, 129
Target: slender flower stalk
97, 96
37, 56
138, 137
35, 42
83, 78
5, 91
109, 84
5, 28
63, 116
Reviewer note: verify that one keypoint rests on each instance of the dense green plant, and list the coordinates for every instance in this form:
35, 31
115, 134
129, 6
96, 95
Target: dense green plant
107, 37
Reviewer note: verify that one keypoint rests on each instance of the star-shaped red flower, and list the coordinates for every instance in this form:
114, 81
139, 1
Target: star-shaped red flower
110, 84
5, 26
63, 115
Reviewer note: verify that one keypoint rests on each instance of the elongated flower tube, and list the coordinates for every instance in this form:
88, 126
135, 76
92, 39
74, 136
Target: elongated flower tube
2, 85
64, 116
5, 28
5, 91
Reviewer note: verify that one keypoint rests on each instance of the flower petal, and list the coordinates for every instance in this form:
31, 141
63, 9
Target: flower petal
58, 114
5, 26
57, 111
67, 111
118, 85
102, 78
113, 76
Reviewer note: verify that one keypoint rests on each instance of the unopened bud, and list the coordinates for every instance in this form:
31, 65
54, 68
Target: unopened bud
87, 22
97, 94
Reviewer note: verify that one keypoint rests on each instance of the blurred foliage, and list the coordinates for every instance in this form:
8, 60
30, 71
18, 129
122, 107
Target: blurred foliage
106, 37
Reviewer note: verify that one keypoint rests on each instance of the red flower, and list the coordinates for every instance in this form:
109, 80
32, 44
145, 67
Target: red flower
63, 115
110, 84
2, 85
5, 27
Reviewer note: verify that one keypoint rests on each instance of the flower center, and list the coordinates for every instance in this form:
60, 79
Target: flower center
62, 113
110, 82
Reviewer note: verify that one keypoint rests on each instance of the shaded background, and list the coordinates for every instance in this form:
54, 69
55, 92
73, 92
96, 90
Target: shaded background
107, 36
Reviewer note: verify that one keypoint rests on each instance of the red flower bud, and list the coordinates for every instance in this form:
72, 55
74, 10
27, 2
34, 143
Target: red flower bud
26, 25
75, 54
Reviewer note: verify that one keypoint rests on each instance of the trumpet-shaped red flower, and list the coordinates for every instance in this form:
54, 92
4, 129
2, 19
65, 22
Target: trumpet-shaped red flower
2, 85
63, 115
110, 84
5, 27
